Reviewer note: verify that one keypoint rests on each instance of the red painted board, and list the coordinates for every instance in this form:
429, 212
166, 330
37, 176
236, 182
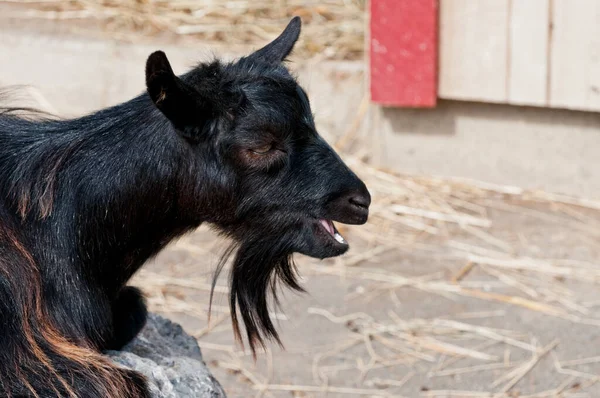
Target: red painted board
403, 52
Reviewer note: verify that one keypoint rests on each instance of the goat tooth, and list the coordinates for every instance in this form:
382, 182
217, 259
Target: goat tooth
339, 238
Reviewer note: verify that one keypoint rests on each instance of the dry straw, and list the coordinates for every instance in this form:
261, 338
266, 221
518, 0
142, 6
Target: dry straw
333, 28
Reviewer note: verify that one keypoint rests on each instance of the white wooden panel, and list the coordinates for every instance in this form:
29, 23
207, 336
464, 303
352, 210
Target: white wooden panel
528, 52
473, 49
593, 91
574, 67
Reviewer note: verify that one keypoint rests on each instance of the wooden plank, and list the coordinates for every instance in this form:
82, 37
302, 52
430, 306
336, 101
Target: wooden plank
594, 65
403, 52
474, 49
575, 52
528, 52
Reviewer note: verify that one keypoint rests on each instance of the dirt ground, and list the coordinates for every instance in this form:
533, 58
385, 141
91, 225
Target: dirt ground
443, 344
503, 304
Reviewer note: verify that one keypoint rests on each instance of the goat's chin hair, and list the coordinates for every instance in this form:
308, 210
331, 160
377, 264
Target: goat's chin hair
259, 267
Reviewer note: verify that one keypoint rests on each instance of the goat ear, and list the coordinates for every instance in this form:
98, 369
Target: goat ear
277, 50
180, 103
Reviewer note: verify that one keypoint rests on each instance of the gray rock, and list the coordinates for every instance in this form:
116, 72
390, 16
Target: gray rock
170, 359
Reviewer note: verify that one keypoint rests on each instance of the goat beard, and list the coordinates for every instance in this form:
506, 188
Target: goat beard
260, 266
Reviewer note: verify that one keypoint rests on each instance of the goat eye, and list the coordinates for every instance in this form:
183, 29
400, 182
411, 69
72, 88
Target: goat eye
263, 150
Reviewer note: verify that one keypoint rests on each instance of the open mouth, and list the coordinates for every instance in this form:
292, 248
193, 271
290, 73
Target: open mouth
330, 231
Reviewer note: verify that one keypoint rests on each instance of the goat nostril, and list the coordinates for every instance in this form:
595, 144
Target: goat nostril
360, 201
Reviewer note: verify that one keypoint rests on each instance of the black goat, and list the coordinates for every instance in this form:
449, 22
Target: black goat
85, 202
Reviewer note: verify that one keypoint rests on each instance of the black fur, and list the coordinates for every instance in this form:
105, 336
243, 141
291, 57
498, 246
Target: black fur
85, 202
129, 315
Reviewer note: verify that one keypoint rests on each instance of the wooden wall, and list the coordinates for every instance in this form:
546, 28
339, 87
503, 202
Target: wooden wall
525, 52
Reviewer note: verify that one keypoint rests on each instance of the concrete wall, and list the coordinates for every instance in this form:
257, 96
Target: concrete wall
535, 148
555, 150
79, 75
